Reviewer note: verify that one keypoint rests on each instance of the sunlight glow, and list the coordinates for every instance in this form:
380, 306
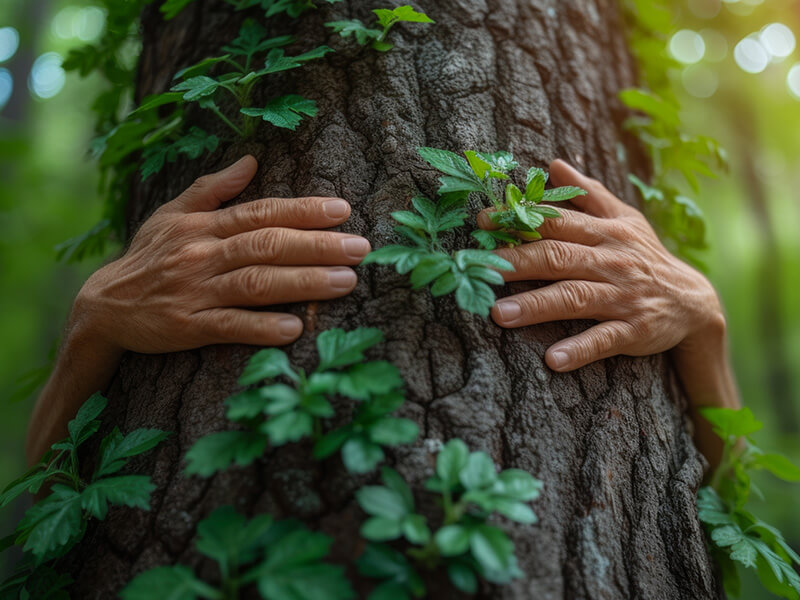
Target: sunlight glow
85, 23
778, 40
700, 81
687, 46
9, 42
750, 55
47, 77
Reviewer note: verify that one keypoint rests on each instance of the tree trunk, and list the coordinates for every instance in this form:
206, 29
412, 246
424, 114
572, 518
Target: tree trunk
610, 442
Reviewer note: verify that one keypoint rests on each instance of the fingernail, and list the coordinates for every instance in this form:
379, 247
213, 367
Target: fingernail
335, 209
342, 279
355, 247
559, 359
290, 327
509, 310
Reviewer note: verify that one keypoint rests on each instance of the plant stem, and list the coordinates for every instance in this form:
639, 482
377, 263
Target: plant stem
227, 121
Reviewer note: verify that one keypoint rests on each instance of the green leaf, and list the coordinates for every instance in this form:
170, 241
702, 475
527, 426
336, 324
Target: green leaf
404, 258
267, 364
125, 490
729, 422
156, 100
382, 562
446, 284
778, 465
562, 193
286, 112
452, 458
491, 547
251, 40
393, 480
500, 163
361, 455
217, 451
362, 381
362, 34
380, 529
391, 431
53, 523
200, 68
465, 258
196, 88
518, 485
31, 481
288, 427
194, 143
84, 424
379, 501
463, 577
167, 583
246, 405
516, 511
387, 17
116, 449
430, 268
228, 538
534, 190
479, 472
461, 175
280, 398
415, 528
331, 442
652, 105
338, 348
452, 540
474, 296
479, 166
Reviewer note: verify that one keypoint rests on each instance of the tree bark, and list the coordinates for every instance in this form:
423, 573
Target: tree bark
610, 442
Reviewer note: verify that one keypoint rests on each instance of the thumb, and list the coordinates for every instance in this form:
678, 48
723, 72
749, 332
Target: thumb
484, 219
208, 192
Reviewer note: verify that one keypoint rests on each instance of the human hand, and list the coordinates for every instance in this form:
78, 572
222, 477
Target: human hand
608, 265
192, 270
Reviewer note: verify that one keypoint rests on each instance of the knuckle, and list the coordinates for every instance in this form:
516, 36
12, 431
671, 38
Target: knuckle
254, 281
558, 258
269, 245
257, 214
576, 297
309, 280
531, 303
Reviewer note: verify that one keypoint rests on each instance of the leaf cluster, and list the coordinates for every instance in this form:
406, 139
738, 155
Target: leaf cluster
278, 413
736, 535
676, 155
52, 526
375, 36
470, 491
469, 273
282, 559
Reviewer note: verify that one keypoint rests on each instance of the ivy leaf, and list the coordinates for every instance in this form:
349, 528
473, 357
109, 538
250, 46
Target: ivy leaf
285, 112
169, 583
339, 348
116, 449
217, 451
197, 87
267, 364
362, 34
126, 490
52, 523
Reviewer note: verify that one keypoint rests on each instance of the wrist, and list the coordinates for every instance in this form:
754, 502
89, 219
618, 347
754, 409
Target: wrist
87, 329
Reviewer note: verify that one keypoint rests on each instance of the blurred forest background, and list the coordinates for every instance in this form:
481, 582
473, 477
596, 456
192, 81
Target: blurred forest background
737, 73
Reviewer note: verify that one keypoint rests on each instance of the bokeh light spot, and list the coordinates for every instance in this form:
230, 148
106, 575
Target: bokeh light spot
85, 23
793, 81
751, 56
716, 45
6, 87
700, 81
9, 42
705, 9
47, 77
687, 46
777, 39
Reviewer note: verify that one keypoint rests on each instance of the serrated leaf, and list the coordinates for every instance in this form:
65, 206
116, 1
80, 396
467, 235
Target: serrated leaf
475, 296
339, 348
84, 425
562, 193
196, 87
32, 481
230, 539
362, 34
729, 422
166, 583
288, 427
52, 523
404, 258
116, 449
285, 112
387, 17
125, 490
376, 378
267, 364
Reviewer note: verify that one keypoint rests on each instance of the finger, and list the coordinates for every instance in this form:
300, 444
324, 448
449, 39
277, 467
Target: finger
573, 226
598, 201
601, 341
281, 246
299, 213
549, 260
485, 220
266, 285
560, 301
210, 191
235, 326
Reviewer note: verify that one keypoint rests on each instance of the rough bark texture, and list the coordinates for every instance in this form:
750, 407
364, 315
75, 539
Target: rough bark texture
539, 78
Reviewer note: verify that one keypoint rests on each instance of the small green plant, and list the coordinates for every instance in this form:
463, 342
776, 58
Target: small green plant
376, 36
282, 559
469, 272
52, 526
470, 490
279, 413
736, 535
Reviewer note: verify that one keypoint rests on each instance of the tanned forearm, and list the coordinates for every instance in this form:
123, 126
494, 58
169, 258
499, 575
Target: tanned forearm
704, 369
85, 365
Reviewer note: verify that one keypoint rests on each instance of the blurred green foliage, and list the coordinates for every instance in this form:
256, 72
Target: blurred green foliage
48, 193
